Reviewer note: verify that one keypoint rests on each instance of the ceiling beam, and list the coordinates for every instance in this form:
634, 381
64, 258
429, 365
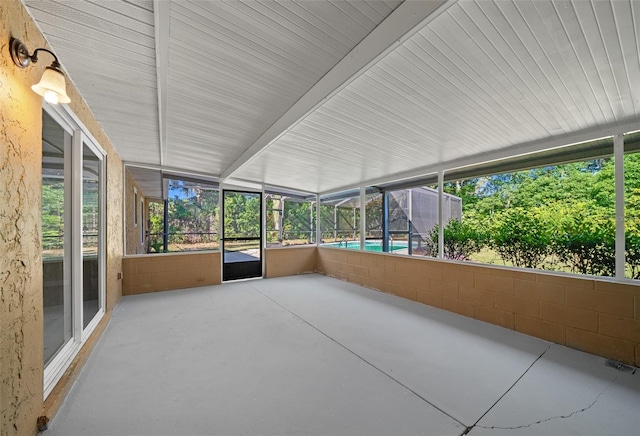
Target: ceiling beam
399, 26
507, 152
161, 18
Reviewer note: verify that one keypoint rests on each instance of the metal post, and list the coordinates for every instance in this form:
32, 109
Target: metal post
440, 214
410, 244
335, 223
318, 222
354, 224
618, 155
280, 222
385, 221
410, 221
165, 227
311, 223
363, 217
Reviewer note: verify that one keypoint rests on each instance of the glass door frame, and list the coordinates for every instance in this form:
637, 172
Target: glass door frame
261, 238
81, 139
73, 174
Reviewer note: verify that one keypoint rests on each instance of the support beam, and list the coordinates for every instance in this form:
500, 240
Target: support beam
399, 26
573, 138
363, 217
335, 223
385, 221
318, 221
618, 155
165, 226
441, 215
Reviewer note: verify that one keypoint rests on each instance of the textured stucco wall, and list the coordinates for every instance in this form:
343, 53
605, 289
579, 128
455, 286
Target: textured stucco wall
20, 251
114, 225
21, 336
134, 246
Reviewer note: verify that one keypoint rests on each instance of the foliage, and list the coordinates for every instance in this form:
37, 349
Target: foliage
632, 227
291, 218
193, 216
241, 212
156, 245
586, 240
556, 217
461, 240
521, 236
632, 244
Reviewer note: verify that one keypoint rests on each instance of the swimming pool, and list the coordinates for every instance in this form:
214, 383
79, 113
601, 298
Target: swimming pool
369, 245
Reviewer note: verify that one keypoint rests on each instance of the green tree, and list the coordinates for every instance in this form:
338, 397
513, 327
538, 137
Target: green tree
52, 216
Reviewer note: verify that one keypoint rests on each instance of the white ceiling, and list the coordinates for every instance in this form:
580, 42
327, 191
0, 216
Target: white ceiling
324, 95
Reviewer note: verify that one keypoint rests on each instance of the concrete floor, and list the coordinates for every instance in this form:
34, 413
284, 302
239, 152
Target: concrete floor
311, 355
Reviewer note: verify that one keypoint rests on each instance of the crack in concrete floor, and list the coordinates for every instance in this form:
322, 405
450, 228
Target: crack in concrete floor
575, 412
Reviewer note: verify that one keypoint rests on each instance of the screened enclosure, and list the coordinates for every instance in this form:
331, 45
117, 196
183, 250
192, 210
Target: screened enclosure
402, 221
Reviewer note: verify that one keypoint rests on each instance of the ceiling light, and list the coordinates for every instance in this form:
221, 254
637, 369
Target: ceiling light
52, 83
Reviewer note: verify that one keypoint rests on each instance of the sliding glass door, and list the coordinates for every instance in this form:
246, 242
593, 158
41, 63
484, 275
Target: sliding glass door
56, 241
91, 233
73, 248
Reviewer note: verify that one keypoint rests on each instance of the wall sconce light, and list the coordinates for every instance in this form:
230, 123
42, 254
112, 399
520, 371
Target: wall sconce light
52, 83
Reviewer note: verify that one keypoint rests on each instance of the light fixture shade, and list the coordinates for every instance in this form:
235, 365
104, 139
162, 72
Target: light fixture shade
52, 86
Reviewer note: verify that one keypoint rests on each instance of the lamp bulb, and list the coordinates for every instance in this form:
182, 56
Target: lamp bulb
51, 97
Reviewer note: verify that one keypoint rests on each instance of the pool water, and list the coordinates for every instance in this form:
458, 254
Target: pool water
368, 246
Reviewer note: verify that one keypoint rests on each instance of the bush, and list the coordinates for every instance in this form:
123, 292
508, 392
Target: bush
586, 241
521, 236
461, 240
632, 253
632, 233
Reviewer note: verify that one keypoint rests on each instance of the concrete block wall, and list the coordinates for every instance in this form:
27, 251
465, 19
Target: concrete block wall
290, 261
594, 315
133, 242
163, 272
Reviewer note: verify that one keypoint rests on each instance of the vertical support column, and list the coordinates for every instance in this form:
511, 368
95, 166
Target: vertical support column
410, 222
263, 226
263, 232
281, 222
440, 214
618, 155
318, 221
221, 229
355, 224
363, 217
385, 221
310, 237
335, 223
165, 227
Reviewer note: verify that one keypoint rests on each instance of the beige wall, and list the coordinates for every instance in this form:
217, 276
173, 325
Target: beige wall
291, 261
21, 366
20, 262
166, 271
597, 316
133, 241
